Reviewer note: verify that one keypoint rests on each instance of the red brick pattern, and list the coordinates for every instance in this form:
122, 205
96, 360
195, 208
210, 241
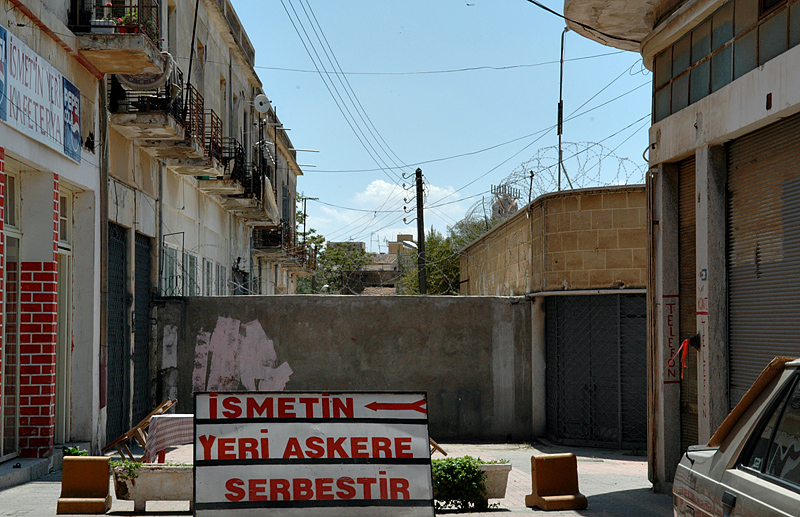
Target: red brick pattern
38, 290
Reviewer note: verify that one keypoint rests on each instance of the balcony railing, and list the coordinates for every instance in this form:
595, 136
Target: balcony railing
283, 239
213, 135
166, 95
254, 181
119, 17
233, 159
194, 116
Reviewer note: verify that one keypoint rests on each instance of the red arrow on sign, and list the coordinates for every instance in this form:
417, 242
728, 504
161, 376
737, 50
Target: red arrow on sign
398, 406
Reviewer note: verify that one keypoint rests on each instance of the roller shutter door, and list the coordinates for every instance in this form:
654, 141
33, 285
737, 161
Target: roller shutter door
763, 250
687, 301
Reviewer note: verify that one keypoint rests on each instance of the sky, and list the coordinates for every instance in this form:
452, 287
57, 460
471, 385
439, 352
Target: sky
467, 90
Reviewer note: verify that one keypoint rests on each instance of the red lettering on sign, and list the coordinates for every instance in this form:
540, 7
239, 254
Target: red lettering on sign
254, 409
248, 448
346, 489
366, 484
335, 446
280, 487
402, 448
324, 489
309, 404
302, 489
316, 447
231, 404
343, 408
226, 449
258, 490
207, 442
358, 447
381, 448
399, 487
236, 491
286, 407
293, 449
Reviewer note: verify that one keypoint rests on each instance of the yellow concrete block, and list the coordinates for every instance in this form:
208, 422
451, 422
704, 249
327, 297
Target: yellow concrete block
632, 238
619, 259
587, 240
569, 241
607, 239
594, 260
602, 219
637, 199
574, 260
615, 200
580, 221
591, 202
601, 278
626, 218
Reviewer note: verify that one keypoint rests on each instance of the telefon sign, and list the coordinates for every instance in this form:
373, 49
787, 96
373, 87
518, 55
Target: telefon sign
302, 454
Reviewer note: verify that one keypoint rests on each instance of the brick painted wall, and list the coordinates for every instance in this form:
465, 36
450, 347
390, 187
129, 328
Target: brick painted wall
37, 335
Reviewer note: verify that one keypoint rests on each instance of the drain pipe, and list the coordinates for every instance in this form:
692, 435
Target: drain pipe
104, 165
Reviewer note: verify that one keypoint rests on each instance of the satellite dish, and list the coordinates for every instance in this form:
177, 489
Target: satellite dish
261, 103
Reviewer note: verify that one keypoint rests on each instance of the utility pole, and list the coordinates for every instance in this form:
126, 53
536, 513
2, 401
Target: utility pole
561, 109
304, 218
423, 287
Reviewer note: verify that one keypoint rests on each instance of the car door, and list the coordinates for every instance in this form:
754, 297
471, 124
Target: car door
765, 480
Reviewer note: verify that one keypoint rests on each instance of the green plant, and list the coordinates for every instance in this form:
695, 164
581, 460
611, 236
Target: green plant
501, 461
128, 469
131, 17
75, 451
459, 483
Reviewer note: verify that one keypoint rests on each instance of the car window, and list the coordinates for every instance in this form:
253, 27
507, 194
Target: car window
775, 448
784, 453
759, 455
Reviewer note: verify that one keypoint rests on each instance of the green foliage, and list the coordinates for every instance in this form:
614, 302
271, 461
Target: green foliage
443, 267
129, 468
468, 229
75, 451
459, 483
334, 262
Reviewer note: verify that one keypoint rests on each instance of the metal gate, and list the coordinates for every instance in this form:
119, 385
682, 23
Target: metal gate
117, 332
141, 341
596, 370
763, 250
687, 294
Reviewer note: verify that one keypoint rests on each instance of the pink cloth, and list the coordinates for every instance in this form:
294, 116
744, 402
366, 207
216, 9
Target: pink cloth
166, 431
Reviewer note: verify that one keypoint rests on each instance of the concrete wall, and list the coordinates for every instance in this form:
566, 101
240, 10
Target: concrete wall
471, 355
571, 240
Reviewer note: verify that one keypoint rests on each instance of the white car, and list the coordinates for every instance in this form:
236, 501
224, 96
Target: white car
751, 466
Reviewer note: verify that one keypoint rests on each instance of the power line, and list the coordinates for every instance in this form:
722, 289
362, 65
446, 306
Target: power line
579, 24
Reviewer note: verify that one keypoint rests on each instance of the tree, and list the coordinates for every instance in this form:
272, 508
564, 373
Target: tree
443, 267
334, 262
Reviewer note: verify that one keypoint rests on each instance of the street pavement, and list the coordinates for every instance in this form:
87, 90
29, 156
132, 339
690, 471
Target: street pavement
614, 482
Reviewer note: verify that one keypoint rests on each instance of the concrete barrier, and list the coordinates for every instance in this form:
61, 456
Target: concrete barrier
555, 483
84, 485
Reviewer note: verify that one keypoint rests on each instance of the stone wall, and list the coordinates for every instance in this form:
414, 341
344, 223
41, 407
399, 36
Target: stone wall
573, 240
471, 355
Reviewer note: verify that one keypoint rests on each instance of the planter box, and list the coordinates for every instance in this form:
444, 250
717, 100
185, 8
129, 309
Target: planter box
154, 482
496, 479
103, 26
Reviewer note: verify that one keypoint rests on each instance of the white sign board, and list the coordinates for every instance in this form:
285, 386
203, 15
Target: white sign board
303, 454
36, 99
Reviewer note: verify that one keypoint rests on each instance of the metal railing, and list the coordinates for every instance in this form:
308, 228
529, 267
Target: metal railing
233, 159
118, 17
254, 181
168, 98
283, 238
213, 135
193, 116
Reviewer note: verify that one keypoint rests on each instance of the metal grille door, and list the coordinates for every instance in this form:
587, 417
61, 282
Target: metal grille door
117, 413
763, 250
687, 300
596, 370
141, 341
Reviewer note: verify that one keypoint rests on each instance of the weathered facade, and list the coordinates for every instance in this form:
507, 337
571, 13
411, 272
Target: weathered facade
164, 171
724, 165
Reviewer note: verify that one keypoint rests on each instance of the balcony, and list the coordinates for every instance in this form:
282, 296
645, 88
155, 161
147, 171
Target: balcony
120, 38
198, 124
150, 108
279, 244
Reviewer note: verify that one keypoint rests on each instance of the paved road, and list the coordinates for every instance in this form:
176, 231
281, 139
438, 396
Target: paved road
615, 484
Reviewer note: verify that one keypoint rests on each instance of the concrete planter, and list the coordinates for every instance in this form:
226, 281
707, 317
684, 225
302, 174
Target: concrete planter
496, 479
154, 482
103, 26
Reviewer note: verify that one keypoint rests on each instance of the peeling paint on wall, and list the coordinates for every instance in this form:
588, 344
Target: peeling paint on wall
169, 357
237, 356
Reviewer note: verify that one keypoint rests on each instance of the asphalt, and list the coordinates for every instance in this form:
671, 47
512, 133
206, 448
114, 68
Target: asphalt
615, 483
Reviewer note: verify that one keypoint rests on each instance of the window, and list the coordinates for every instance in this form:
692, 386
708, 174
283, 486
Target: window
190, 275
740, 36
171, 281
208, 277
221, 280
774, 450
65, 219
11, 213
